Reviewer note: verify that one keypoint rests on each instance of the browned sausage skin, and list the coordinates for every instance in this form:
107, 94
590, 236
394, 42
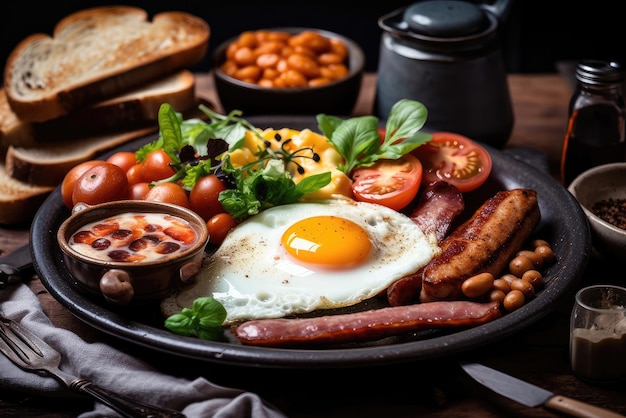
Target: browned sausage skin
484, 243
437, 208
367, 325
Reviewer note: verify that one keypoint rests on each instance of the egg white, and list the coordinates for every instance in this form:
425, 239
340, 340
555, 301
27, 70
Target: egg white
253, 277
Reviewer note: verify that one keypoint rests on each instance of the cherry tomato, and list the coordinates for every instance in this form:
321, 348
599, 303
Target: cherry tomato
454, 158
135, 174
169, 192
156, 166
123, 159
219, 226
203, 198
101, 183
138, 191
392, 183
71, 177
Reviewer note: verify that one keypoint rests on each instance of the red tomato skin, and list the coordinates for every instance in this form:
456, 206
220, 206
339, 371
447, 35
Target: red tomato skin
456, 159
135, 174
391, 183
101, 183
156, 166
124, 159
219, 226
203, 197
168, 192
138, 191
71, 178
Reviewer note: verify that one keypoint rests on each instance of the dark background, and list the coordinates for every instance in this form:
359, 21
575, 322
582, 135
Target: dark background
535, 37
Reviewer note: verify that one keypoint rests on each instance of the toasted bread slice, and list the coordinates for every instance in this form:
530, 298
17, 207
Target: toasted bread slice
19, 201
136, 109
96, 54
47, 165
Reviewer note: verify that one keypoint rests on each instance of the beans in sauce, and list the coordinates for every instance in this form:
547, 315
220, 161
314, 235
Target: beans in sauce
518, 284
133, 237
276, 59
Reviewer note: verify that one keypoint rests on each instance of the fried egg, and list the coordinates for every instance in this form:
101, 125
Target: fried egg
303, 257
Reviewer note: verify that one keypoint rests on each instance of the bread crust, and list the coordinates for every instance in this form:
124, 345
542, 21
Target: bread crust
19, 201
133, 110
47, 165
96, 54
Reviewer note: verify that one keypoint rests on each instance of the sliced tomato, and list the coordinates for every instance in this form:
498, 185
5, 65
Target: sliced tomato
392, 183
454, 158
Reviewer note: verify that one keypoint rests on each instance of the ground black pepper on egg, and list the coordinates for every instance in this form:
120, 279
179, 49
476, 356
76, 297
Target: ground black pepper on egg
612, 211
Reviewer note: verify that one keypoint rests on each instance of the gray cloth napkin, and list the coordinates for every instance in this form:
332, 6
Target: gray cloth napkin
117, 371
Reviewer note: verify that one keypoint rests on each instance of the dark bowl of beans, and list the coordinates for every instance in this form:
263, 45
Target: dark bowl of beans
601, 192
132, 251
288, 71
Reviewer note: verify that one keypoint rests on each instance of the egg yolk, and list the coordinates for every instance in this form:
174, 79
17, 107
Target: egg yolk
327, 241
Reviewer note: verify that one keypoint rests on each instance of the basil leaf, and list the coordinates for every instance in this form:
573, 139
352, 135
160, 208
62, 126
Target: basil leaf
327, 124
355, 138
358, 141
405, 118
169, 127
204, 319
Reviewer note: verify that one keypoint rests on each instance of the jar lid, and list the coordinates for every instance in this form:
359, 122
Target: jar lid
445, 18
599, 72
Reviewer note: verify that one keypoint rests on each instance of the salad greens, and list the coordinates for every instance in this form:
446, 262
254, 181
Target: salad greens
358, 140
204, 320
267, 186
198, 148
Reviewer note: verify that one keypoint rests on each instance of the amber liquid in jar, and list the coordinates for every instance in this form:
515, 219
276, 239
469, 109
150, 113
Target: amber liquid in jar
596, 128
593, 138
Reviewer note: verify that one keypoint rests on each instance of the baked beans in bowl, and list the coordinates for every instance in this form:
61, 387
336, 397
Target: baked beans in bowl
132, 251
288, 71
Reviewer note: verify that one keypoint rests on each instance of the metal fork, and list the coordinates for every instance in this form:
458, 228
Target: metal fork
33, 354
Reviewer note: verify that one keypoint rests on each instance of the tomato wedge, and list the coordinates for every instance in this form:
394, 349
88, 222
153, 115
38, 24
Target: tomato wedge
454, 158
391, 183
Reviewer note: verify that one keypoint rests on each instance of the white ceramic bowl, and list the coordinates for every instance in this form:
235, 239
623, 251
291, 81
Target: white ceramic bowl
601, 183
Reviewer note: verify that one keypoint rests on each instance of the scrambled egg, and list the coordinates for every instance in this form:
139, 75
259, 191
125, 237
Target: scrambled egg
305, 140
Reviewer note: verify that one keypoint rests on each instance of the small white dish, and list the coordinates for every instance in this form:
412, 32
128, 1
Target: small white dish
607, 181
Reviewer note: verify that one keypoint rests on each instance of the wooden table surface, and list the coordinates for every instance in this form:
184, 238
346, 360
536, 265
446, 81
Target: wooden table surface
437, 388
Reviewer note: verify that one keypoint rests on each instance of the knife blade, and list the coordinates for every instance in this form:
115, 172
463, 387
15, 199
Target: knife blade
533, 396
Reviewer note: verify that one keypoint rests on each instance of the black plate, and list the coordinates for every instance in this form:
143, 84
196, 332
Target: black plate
563, 225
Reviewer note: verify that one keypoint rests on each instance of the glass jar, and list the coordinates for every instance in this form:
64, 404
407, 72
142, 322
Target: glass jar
598, 334
595, 131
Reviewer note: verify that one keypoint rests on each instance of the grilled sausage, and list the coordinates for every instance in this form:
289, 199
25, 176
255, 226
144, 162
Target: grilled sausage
484, 243
438, 206
367, 325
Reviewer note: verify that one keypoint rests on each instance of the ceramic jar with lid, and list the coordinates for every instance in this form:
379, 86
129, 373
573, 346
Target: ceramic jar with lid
446, 54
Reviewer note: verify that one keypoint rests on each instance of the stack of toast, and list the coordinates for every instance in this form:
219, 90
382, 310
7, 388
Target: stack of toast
95, 83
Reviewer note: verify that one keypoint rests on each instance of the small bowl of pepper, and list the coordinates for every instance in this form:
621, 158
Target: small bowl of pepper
601, 192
